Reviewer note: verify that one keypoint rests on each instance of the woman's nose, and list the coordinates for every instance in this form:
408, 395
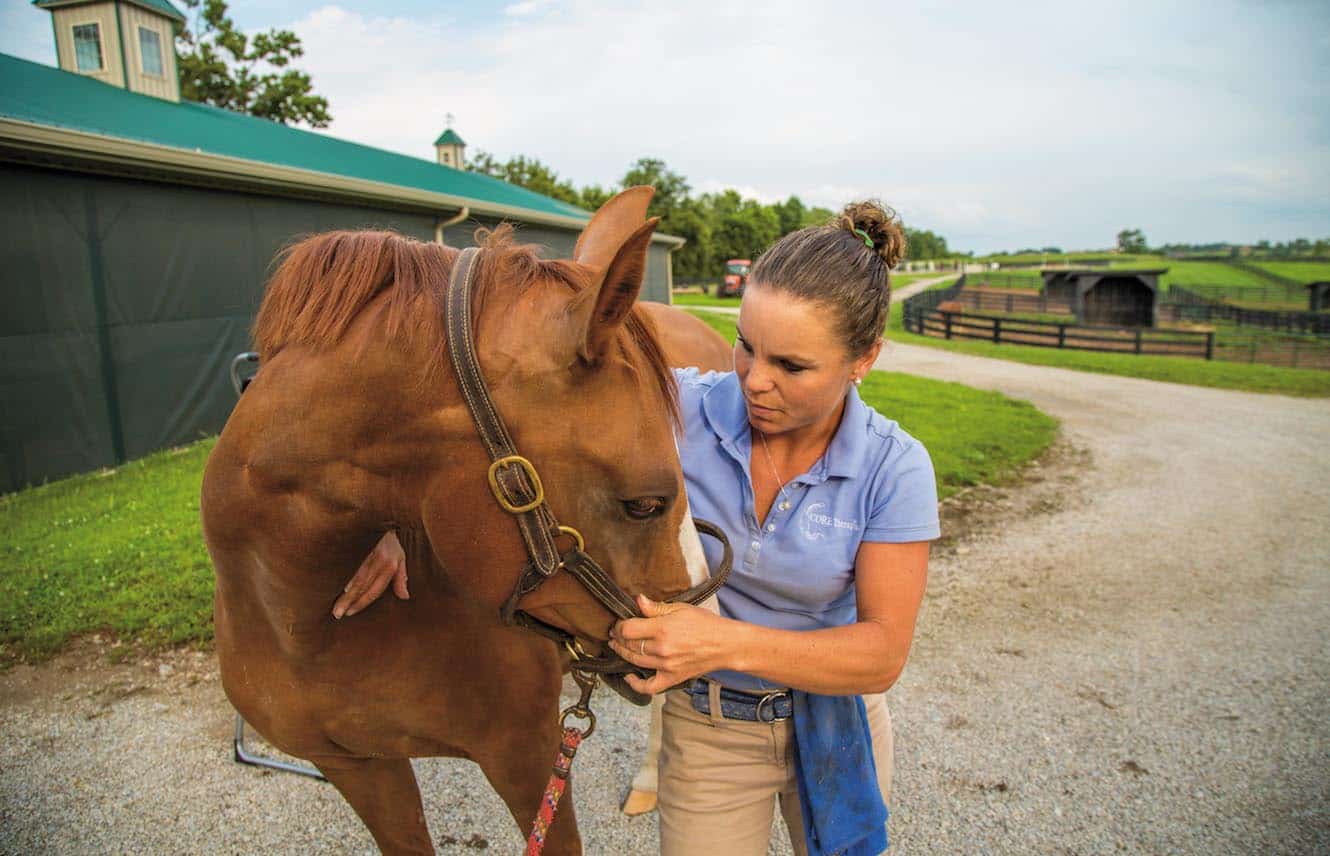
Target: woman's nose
758, 379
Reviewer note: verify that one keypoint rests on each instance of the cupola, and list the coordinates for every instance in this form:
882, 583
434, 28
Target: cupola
126, 43
450, 148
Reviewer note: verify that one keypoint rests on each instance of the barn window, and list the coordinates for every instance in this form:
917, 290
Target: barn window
88, 47
150, 52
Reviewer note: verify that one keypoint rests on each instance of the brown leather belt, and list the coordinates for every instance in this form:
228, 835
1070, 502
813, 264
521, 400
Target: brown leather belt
517, 487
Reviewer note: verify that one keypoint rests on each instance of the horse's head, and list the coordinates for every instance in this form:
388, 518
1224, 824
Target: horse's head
578, 376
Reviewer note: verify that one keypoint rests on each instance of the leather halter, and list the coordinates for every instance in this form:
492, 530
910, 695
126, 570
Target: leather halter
517, 487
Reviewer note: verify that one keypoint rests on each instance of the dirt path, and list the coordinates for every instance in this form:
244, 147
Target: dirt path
1143, 666
1126, 652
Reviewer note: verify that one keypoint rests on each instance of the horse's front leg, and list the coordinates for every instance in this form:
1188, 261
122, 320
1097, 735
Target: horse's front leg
384, 793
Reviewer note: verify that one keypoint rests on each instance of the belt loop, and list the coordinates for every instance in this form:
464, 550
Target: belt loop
713, 698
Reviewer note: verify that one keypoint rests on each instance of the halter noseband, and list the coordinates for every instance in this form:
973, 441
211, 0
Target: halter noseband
517, 487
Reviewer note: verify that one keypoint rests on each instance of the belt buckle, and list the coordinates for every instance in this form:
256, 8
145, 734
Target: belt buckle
768, 699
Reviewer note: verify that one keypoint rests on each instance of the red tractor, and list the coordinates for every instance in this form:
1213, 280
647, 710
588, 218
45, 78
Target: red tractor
736, 277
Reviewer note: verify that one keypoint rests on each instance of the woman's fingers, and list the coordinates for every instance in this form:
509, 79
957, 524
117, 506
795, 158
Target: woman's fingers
359, 583
633, 652
399, 581
368, 595
634, 628
649, 686
385, 564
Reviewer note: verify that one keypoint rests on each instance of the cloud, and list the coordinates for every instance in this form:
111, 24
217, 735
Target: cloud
528, 7
1008, 126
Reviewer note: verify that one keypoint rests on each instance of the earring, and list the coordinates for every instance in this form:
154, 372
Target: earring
858, 381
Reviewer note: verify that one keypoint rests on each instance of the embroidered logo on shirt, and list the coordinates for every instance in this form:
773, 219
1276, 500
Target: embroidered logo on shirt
816, 523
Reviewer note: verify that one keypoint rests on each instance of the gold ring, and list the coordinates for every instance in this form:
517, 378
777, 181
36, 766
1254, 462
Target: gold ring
642, 649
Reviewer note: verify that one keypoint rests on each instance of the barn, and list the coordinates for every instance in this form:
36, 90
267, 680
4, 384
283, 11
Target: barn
138, 231
1116, 296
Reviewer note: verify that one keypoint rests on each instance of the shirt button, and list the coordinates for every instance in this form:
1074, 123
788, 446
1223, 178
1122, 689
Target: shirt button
756, 545
784, 506
771, 527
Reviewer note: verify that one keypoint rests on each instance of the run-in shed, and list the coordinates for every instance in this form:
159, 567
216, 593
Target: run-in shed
1117, 296
1318, 296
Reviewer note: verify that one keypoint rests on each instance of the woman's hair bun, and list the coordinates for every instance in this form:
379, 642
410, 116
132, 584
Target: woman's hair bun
882, 226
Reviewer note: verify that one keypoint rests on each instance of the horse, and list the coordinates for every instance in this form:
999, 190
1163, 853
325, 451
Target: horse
356, 426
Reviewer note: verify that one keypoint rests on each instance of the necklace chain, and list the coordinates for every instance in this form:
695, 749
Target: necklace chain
780, 483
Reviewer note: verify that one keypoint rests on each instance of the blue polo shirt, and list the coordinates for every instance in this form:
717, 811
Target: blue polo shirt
796, 571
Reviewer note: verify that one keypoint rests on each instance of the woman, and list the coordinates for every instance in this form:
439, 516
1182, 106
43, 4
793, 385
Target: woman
830, 507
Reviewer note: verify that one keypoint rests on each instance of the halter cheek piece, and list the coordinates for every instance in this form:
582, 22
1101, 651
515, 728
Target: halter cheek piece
517, 487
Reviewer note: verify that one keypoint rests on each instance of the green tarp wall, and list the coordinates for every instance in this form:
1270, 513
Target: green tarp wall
125, 301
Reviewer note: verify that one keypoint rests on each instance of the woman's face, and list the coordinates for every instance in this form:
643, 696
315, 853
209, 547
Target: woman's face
792, 367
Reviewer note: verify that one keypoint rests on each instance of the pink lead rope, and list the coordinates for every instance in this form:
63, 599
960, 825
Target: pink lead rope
549, 803
572, 738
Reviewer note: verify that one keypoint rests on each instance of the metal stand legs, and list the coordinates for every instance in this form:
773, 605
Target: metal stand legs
244, 756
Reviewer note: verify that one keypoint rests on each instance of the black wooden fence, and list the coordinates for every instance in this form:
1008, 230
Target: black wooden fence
920, 314
1188, 304
1012, 301
1028, 279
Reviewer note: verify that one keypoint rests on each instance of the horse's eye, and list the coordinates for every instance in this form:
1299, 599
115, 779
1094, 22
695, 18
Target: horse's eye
647, 506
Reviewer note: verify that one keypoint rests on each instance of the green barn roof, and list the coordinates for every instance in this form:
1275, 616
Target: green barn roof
160, 6
449, 137
204, 138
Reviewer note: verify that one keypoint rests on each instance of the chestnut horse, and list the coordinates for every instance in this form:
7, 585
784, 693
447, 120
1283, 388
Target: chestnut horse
356, 426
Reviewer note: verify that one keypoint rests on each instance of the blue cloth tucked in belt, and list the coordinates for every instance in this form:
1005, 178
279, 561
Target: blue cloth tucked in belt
838, 791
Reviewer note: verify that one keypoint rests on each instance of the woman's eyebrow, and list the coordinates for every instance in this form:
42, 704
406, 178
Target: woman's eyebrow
789, 358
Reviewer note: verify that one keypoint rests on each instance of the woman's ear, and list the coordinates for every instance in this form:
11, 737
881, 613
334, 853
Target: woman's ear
864, 364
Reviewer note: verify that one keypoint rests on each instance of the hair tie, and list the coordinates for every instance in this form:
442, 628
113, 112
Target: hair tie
868, 242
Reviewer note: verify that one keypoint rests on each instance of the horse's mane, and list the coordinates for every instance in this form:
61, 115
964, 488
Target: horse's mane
324, 282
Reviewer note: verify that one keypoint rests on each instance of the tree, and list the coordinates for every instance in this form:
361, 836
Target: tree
594, 196
526, 172
1131, 241
817, 217
671, 187
220, 65
923, 244
791, 213
695, 260
741, 228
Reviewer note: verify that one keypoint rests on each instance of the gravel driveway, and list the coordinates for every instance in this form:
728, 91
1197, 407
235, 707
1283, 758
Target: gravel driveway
1128, 651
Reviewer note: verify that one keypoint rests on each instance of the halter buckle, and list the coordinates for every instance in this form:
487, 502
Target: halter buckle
497, 490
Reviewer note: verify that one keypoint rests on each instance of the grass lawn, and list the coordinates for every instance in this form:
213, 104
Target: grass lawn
116, 550
121, 550
690, 299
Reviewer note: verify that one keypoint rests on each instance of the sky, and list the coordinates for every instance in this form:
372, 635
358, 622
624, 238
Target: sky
996, 125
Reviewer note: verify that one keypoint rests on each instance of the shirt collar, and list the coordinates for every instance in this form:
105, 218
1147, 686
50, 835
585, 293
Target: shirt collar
723, 406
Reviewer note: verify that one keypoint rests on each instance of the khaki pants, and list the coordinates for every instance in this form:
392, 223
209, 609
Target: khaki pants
720, 779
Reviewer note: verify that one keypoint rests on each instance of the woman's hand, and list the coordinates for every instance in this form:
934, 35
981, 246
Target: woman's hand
385, 564
678, 640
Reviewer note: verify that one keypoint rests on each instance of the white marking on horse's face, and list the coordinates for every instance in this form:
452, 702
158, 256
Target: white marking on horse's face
691, 543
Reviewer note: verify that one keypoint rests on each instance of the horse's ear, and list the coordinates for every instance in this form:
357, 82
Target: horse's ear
599, 310
611, 225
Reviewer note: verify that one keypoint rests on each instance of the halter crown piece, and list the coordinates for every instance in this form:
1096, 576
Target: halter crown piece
868, 242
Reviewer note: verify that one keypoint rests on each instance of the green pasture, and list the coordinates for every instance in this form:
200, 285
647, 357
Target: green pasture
120, 551
1064, 258
1303, 272
1261, 293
